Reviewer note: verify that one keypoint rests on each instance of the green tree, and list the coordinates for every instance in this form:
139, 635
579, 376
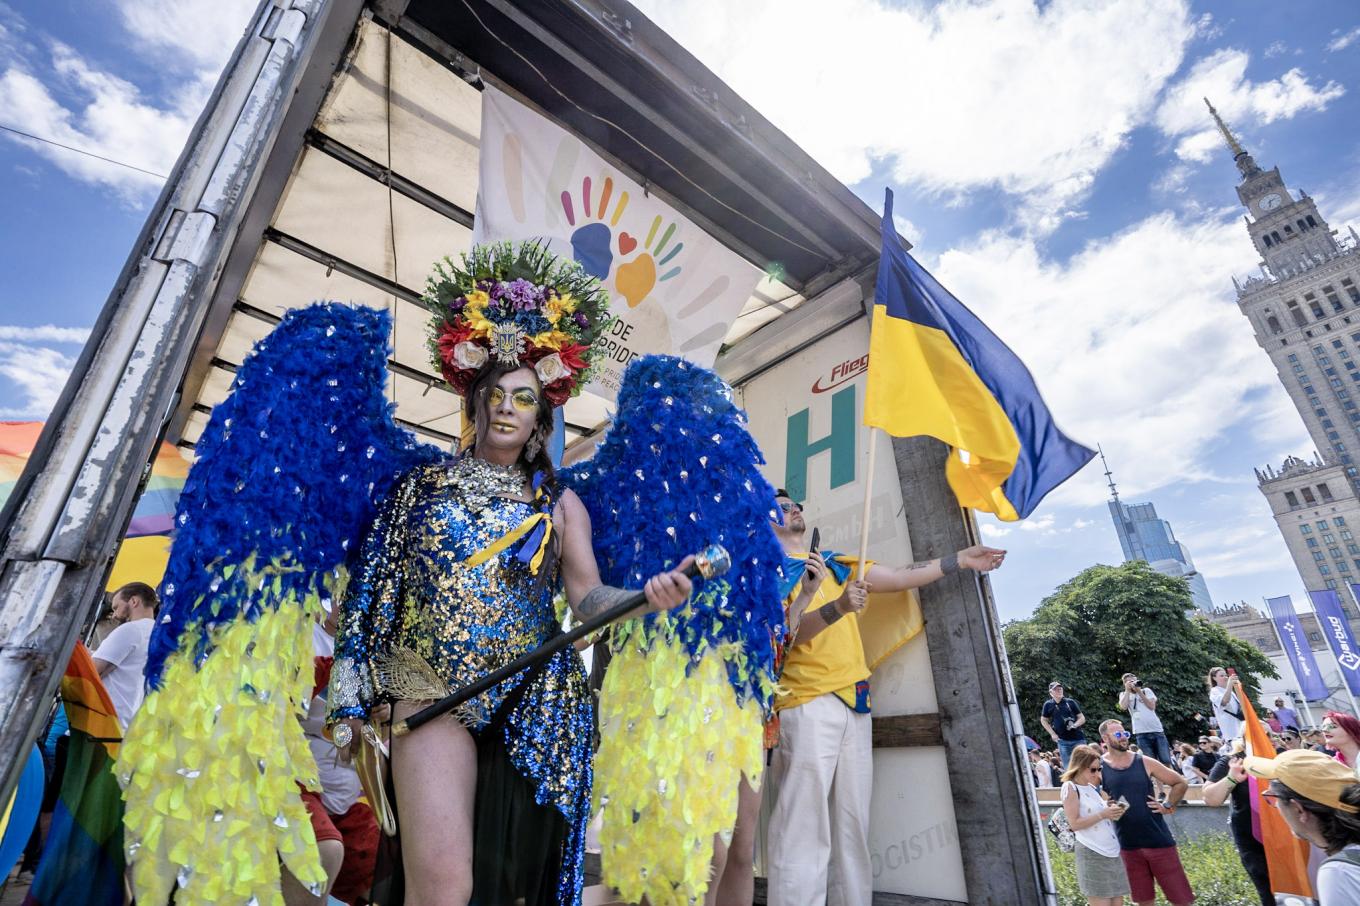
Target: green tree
1109, 620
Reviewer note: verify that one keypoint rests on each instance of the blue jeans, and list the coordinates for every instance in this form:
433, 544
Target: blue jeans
1154, 745
1065, 747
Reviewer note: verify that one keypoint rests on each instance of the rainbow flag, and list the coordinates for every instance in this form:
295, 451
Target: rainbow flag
82, 861
146, 545
935, 369
1286, 855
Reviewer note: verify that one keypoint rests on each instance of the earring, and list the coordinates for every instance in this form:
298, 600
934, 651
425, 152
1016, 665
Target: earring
533, 445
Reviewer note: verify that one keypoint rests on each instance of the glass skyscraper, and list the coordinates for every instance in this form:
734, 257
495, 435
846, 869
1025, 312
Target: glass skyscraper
1144, 536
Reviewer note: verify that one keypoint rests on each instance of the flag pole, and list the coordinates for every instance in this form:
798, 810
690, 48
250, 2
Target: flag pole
1298, 682
868, 492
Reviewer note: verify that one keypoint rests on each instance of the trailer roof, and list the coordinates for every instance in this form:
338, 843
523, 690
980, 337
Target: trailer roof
386, 181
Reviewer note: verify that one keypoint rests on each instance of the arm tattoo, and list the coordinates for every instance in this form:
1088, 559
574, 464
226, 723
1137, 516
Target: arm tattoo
949, 563
599, 599
829, 613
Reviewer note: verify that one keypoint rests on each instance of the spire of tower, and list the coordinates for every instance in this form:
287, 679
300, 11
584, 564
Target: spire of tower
1114, 492
1240, 155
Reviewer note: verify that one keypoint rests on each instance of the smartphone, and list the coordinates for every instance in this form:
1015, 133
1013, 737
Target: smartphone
816, 539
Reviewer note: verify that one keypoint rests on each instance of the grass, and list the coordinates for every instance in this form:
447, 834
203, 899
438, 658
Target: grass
1210, 861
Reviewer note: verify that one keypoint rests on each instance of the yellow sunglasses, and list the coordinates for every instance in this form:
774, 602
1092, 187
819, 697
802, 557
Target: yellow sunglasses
523, 399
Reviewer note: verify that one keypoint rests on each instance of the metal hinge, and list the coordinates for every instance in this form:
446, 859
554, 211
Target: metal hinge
186, 238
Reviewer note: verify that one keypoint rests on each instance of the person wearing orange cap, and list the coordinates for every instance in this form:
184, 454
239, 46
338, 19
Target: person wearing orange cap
1320, 801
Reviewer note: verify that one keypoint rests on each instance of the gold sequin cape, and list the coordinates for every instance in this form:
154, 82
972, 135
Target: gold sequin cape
427, 611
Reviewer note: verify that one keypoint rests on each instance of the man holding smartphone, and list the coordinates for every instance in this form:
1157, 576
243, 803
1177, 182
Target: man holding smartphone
822, 767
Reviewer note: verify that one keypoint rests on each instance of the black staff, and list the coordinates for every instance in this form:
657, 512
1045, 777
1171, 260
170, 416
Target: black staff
710, 562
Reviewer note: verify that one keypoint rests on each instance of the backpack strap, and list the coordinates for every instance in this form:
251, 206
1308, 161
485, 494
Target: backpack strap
1350, 854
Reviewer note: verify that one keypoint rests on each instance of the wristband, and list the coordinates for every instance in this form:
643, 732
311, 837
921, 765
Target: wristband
949, 564
1230, 780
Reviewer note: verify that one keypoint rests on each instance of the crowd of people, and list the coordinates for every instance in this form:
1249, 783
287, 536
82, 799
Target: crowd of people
1117, 791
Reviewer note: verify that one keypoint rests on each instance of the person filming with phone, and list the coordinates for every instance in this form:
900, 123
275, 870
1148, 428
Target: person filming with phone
822, 767
1224, 687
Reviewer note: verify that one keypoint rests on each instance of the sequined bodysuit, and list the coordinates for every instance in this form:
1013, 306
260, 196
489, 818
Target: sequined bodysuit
417, 613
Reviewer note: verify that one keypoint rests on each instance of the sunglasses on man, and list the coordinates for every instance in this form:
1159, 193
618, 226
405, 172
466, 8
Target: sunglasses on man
791, 507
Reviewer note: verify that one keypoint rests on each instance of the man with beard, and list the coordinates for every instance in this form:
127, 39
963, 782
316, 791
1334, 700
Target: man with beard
1145, 843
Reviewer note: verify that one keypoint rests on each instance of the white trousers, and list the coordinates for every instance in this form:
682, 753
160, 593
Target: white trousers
822, 778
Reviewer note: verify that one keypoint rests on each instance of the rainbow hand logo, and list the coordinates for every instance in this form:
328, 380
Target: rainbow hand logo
593, 243
636, 278
590, 243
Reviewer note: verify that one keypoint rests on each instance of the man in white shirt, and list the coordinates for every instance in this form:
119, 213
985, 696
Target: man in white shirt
121, 657
1148, 733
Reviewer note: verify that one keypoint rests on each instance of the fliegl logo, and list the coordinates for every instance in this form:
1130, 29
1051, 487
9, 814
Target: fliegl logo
845, 371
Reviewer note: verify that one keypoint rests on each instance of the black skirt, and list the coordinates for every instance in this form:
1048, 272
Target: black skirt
517, 844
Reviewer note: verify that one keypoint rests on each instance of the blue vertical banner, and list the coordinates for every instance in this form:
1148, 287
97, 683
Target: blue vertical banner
1295, 641
1334, 625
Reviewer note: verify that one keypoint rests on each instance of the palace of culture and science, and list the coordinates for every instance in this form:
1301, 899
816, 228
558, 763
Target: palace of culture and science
1305, 311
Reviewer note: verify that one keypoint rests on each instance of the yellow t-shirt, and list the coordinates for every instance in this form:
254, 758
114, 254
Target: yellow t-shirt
832, 661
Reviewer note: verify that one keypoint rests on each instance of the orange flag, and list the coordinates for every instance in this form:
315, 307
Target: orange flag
1286, 855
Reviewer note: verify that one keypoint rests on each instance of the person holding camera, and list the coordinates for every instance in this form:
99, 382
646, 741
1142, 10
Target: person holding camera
1062, 717
1228, 783
1100, 871
1148, 733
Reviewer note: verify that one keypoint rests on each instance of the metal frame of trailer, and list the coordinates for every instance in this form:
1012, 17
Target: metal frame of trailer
648, 106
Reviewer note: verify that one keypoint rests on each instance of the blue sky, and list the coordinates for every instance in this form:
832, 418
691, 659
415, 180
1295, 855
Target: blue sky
1053, 162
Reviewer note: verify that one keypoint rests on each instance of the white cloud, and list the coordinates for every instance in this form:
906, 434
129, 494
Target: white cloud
1030, 98
1206, 29
1221, 77
202, 33
1341, 42
908, 230
56, 94
1136, 343
1276, 49
47, 333
1038, 523
994, 529
1244, 547
39, 374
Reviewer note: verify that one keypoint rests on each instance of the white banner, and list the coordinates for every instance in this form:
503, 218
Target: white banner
807, 414
675, 289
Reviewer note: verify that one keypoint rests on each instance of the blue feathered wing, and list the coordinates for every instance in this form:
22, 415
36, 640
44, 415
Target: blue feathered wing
686, 692
288, 476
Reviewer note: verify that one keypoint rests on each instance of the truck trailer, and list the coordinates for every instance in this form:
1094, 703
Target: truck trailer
338, 158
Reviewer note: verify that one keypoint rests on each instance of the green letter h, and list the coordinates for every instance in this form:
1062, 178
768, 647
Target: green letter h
841, 443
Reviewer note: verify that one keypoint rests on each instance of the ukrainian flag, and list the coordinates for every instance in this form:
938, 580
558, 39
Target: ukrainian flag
935, 369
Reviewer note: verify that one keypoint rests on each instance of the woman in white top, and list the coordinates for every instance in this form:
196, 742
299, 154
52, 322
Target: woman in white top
1223, 692
1100, 870
1185, 759
1320, 801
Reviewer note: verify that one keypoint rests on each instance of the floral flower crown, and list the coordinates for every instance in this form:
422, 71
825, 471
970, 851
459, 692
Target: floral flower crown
519, 305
